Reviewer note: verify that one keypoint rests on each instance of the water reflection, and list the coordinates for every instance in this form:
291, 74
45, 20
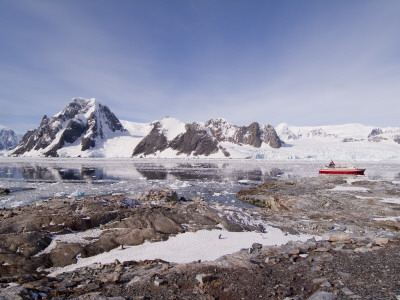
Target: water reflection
216, 181
92, 171
180, 171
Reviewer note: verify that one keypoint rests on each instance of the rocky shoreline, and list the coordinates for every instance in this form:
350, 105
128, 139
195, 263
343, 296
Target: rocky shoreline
355, 254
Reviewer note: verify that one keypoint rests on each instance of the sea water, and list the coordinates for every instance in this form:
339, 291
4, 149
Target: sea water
35, 179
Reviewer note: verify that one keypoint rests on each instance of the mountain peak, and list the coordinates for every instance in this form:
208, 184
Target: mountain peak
83, 121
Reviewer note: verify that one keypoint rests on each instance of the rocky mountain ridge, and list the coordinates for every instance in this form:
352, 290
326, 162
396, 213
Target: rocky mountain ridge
205, 139
86, 126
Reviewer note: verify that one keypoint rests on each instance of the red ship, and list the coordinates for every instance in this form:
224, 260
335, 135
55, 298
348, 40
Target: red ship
334, 169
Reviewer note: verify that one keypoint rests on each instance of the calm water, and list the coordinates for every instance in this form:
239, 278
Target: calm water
215, 180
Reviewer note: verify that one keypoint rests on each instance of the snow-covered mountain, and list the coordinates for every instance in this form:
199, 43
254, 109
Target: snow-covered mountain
170, 136
86, 128
346, 142
8, 139
84, 123
343, 133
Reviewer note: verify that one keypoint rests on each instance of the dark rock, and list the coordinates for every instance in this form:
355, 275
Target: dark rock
164, 224
65, 254
252, 135
153, 142
4, 191
17, 251
164, 195
205, 278
270, 136
197, 140
375, 132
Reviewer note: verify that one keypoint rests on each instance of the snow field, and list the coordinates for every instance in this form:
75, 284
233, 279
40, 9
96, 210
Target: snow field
187, 247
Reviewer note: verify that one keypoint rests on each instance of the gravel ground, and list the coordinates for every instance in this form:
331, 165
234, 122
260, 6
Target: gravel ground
358, 256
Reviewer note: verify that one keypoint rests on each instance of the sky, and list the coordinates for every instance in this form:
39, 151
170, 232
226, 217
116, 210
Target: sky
306, 63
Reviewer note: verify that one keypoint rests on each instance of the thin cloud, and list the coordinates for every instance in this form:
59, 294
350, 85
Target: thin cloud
305, 63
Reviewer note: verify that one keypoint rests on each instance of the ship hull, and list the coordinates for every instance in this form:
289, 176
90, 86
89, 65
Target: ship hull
342, 171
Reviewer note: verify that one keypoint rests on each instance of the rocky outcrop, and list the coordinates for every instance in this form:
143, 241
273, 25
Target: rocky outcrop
197, 140
83, 120
155, 141
270, 137
204, 139
253, 135
35, 237
375, 132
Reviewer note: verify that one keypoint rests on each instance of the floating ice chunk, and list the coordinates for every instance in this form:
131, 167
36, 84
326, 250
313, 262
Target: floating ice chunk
179, 184
244, 181
78, 193
61, 194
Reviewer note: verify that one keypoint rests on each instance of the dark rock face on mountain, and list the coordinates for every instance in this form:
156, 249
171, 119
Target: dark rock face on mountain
153, 142
204, 139
269, 136
376, 135
8, 139
375, 132
197, 140
84, 119
387, 134
253, 135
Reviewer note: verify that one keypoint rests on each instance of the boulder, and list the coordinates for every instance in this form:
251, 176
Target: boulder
164, 195
338, 236
65, 254
166, 225
381, 241
322, 295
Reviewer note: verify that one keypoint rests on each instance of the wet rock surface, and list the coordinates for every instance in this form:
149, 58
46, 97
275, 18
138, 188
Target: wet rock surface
356, 257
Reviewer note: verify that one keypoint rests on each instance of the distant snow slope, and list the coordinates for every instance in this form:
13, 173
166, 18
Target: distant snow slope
347, 142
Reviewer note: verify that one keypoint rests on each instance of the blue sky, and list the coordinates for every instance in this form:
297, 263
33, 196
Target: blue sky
300, 62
